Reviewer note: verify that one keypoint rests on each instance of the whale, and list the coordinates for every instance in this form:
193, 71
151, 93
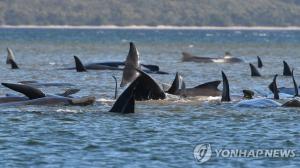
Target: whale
80, 67
150, 67
125, 103
286, 69
14, 65
187, 57
254, 71
206, 89
131, 64
284, 90
259, 62
11, 59
37, 97
144, 87
10, 56
267, 102
46, 84
132, 58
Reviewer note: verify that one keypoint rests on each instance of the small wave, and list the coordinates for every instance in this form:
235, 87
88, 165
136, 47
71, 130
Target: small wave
67, 110
105, 100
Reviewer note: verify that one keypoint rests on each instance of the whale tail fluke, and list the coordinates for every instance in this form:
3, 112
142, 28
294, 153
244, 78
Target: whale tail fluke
286, 69
125, 104
226, 89
28, 91
254, 71
79, 66
132, 62
259, 62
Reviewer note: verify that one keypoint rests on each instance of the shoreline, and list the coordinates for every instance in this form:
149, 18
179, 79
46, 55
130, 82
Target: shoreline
144, 27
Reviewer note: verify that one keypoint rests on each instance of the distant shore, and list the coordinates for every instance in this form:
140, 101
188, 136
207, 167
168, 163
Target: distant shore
160, 27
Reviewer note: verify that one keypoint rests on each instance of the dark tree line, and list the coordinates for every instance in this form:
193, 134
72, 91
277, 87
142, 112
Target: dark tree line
151, 12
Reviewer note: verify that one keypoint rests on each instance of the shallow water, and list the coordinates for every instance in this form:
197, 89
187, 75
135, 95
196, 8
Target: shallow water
160, 133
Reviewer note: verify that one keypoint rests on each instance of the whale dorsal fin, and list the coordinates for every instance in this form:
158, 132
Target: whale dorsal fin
226, 89
79, 66
259, 62
209, 85
10, 56
28, 91
132, 62
175, 85
254, 71
295, 85
13, 64
286, 69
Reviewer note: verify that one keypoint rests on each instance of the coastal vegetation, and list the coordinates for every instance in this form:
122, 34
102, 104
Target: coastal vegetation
151, 12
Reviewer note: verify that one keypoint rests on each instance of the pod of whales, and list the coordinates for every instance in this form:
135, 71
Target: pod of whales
250, 102
142, 87
187, 57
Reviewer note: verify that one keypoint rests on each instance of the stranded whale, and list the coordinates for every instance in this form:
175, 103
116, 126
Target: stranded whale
206, 89
132, 58
187, 57
37, 97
